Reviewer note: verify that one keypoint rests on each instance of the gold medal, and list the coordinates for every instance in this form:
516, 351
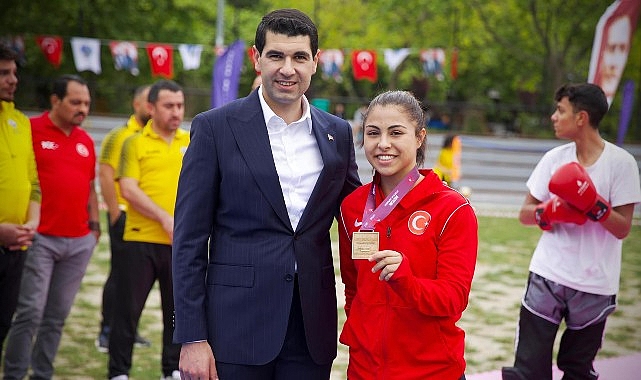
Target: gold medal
364, 244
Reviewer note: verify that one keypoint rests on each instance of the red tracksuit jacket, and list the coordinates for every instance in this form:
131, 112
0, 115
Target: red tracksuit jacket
406, 328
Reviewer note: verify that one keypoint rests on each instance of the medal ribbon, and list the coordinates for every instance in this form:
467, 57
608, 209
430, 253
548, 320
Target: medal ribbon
372, 216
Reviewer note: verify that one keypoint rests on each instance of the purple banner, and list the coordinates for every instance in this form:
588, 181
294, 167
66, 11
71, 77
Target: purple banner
627, 103
226, 74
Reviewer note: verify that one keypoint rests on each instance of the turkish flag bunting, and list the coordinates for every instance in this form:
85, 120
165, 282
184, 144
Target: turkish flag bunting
51, 47
364, 65
161, 58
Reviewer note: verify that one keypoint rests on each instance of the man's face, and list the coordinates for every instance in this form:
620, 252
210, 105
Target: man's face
168, 111
615, 54
8, 79
74, 107
286, 66
564, 119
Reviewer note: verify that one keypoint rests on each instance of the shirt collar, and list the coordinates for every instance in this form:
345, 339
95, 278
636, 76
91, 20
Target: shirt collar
268, 114
148, 130
51, 125
133, 125
6, 106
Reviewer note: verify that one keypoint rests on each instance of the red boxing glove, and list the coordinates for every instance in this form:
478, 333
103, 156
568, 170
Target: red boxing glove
573, 184
556, 210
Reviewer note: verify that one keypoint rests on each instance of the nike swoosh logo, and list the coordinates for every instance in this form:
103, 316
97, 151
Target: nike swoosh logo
357, 223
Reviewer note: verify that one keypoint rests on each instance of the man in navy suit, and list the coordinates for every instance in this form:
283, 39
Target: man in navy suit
260, 185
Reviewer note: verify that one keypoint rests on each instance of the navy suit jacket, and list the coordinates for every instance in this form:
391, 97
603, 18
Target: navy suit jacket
234, 249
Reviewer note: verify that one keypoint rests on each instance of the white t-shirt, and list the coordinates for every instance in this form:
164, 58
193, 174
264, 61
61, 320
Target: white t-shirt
585, 257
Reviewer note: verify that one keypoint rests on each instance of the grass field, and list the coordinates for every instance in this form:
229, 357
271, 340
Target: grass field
490, 319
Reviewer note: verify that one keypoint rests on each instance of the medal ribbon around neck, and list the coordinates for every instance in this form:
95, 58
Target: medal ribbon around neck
372, 216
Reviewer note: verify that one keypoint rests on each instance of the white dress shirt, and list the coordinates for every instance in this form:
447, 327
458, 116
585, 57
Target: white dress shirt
296, 155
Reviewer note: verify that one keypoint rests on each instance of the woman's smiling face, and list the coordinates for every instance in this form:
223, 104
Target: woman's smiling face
390, 142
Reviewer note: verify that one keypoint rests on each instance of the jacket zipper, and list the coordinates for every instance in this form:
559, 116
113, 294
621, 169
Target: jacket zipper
388, 234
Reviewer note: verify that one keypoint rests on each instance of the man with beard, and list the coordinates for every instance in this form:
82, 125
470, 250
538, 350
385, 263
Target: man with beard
148, 177
19, 191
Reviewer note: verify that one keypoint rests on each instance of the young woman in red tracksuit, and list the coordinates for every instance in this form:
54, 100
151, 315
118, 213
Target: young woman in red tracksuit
403, 300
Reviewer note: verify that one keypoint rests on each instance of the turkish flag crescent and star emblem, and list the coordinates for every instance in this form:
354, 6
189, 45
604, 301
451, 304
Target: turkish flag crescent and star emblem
161, 58
51, 47
364, 65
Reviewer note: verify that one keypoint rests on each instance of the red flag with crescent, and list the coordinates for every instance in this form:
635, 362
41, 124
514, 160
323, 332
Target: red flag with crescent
161, 58
364, 65
51, 47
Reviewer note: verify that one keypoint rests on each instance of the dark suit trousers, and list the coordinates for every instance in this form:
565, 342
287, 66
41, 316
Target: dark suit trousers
292, 363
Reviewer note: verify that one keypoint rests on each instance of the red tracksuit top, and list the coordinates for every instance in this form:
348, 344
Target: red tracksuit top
406, 328
66, 168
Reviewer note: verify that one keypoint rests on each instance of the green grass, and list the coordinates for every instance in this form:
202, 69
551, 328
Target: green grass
505, 248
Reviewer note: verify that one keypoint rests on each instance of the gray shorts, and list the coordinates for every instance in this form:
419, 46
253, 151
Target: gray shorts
553, 302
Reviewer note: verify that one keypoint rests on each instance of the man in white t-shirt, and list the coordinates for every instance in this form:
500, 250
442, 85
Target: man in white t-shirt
575, 268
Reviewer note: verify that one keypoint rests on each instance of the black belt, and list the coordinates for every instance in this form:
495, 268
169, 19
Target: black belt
7, 251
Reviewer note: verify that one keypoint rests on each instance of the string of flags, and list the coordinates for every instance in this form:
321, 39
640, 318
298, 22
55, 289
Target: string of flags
87, 57
365, 66
87, 54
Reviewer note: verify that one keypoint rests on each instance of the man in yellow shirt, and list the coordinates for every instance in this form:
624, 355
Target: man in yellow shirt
110, 153
19, 191
148, 176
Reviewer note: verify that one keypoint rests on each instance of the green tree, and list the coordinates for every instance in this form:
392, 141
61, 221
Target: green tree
519, 49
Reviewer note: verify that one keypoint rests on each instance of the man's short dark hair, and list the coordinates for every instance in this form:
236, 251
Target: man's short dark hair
586, 97
140, 89
163, 84
7, 53
59, 87
290, 22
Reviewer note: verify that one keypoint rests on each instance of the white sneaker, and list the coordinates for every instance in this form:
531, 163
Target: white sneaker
120, 377
175, 375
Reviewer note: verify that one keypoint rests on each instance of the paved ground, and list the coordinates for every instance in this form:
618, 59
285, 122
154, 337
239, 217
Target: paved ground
494, 167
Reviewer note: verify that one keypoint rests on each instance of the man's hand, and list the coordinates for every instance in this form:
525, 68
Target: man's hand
197, 362
113, 217
16, 236
168, 225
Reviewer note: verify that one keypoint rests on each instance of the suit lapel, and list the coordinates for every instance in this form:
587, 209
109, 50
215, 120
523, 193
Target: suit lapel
250, 132
326, 138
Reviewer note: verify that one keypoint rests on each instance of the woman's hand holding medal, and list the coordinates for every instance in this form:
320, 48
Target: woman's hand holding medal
387, 261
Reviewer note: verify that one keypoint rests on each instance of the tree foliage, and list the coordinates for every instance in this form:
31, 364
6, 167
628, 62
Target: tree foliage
519, 49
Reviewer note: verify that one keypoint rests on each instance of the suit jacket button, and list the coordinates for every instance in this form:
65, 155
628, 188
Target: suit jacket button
289, 278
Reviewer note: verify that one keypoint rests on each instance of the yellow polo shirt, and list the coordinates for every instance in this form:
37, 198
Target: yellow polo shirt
156, 165
18, 175
111, 147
